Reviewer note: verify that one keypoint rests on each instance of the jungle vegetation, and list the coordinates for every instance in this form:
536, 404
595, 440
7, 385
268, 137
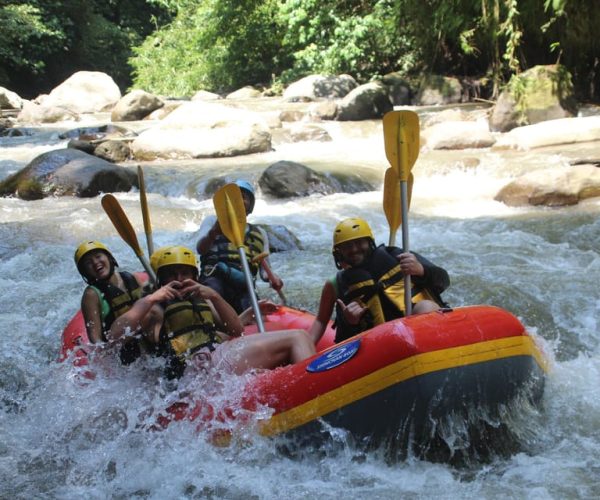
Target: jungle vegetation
176, 47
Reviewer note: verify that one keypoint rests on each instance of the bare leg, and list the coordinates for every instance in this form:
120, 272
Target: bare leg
267, 350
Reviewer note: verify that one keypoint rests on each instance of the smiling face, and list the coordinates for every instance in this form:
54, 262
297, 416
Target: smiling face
354, 252
176, 272
96, 265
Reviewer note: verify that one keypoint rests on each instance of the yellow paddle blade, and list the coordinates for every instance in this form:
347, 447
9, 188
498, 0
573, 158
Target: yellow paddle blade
145, 211
401, 140
115, 213
391, 199
231, 213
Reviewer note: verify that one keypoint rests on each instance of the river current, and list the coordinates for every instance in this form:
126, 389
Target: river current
64, 438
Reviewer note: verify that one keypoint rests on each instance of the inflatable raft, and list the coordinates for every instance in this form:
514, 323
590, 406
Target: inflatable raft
394, 384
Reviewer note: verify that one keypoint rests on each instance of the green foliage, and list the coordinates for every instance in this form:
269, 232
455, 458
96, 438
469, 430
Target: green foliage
44, 41
177, 47
215, 45
362, 38
23, 28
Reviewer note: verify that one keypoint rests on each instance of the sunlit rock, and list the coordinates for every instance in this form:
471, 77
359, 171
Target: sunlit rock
9, 99
67, 172
550, 133
300, 132
553, 187
135, 106
167, 108
85, 92
370, 100
205, 95
323, 110
113, 151
247, 92
291, 115
33, 113
458, 135
200, 129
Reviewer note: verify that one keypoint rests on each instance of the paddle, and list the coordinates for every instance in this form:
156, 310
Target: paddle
392, 202
117, 216
145, 211
231, 214
401, 140
261, 258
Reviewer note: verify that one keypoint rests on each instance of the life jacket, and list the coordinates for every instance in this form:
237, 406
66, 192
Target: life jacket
188, 326
379, 285
223, 250
115, 302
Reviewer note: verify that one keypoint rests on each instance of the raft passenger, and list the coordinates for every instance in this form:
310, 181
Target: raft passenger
196, 319
109, 294
369, 288
221, 268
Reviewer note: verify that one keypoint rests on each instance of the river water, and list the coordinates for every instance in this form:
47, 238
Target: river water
64, 438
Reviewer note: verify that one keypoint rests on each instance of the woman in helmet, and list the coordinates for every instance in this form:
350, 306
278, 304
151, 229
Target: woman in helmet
109, 293
221, 268
369, 288
197, 319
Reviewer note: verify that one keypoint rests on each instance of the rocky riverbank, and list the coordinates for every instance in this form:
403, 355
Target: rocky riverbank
144, 127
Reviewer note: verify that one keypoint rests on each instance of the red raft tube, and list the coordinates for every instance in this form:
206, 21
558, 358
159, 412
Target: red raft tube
390, 384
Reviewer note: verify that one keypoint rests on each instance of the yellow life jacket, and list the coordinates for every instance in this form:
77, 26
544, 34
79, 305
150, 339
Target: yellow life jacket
188, 326
379, 286
225, 251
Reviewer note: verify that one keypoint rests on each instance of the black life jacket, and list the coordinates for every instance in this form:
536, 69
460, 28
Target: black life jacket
378, 285
223, 250
114, 301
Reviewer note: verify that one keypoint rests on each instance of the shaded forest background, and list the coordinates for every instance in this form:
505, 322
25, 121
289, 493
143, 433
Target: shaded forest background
177, 47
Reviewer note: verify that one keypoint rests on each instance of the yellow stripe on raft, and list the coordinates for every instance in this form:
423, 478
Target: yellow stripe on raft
414, 366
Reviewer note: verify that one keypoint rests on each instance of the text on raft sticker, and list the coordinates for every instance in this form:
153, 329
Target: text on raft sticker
334, 358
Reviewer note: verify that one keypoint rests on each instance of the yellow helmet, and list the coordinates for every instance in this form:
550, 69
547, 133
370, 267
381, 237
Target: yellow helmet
351, 229
86, 247
167, 256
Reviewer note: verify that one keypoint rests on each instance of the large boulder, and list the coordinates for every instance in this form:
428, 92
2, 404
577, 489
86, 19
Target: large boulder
541, 93
313, 87
135, 106
34, 113
247, 92
458, 135
436, 90
301, 132
287, 179
200, 129
551, 133
9, 99
85, 92
367, 101
67, 172
323, 110
553, 187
